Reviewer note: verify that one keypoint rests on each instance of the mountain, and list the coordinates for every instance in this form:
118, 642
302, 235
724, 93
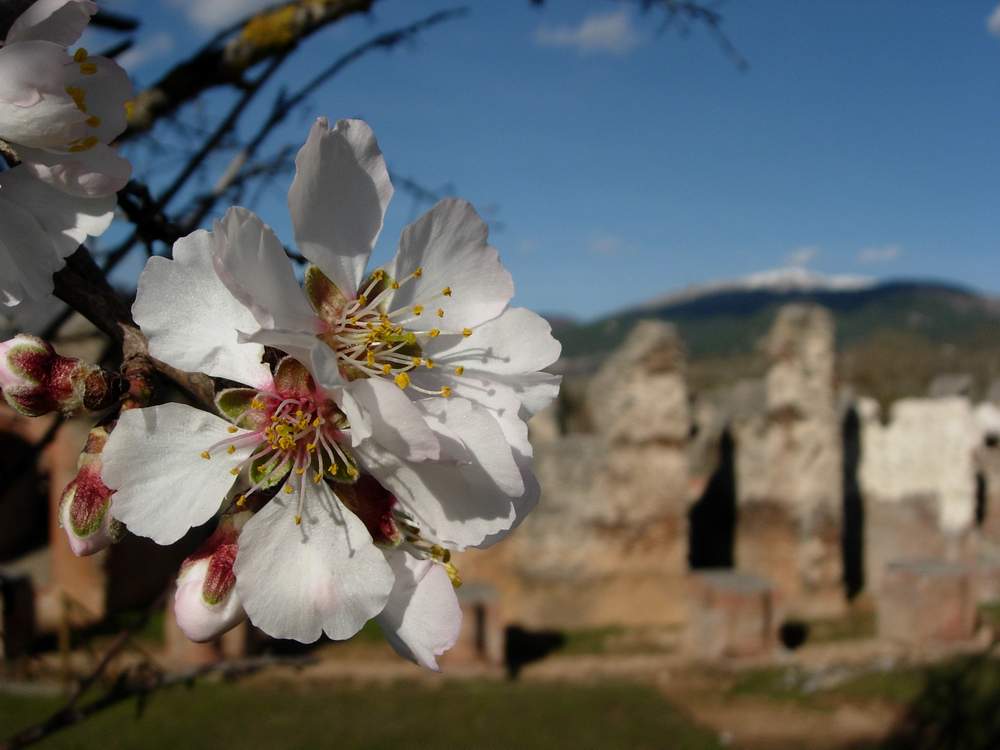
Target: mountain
928, 326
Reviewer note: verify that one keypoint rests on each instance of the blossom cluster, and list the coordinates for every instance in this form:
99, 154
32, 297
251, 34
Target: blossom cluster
58, 114
367, 422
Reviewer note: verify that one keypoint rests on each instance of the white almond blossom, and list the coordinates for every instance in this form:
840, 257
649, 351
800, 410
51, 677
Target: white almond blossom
40, 227
61, 112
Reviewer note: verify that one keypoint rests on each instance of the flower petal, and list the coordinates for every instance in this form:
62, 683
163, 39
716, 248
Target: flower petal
67, 219
422, 618
456, 501
323, 576
35, 109
448, 246
481, 438
191, 319
251, 262
59, 21
393, 419
497, 365
163, 486
98, 171
338, 199
28, 257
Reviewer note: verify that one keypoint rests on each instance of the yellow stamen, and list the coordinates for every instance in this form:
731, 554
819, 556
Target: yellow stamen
415, 361
78, 96
434, 333
231, 430
466, 332
446, 291
231, 450
351, 471
430, 364
402, 380
88, 69
419, 272
394, 285
300, 471
445, 391
459, 370
206, 455
94, 121
418, 309
235, 471
386, 369
318, 477
298, 520
289, 489
362, 300
82, 144
80, 55
241, 501
440, 313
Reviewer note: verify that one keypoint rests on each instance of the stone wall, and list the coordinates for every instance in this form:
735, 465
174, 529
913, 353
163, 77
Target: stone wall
918, 478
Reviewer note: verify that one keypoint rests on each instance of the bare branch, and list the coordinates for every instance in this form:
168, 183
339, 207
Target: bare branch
263, 36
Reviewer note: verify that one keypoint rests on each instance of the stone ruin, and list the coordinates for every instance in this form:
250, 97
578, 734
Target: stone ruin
729, 512
770, 501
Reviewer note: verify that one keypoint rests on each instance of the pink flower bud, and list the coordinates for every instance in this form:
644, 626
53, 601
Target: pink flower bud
35, 380
84, 512
206, 604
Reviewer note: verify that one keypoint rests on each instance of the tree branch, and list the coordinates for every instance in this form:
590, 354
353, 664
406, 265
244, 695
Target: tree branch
266, 35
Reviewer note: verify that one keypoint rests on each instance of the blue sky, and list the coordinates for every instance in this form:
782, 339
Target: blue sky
621, 164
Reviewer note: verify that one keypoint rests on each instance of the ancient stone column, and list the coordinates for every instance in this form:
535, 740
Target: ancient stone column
789, 469
608, 541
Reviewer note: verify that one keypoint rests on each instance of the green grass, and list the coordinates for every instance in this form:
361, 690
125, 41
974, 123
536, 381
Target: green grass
481, 715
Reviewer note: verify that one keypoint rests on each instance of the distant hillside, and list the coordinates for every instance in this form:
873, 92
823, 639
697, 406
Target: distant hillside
926, 327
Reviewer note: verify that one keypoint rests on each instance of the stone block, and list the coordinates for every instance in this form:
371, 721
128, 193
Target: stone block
923, 602
731, 614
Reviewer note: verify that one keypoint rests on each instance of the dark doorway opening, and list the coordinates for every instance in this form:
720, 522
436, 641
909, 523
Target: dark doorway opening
712, 519
853, 534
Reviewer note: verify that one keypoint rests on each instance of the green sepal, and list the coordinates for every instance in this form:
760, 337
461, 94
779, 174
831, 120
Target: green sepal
234, 405
343, 475
324, 296
272, 478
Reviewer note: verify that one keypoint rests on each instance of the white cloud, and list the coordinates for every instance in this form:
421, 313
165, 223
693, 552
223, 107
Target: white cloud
880, 254
802, 256
135, 57
993, 22
606, 244
214, 14
613, 33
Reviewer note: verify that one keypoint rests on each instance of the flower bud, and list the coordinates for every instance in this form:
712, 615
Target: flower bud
206, 604
35, 380
84, 512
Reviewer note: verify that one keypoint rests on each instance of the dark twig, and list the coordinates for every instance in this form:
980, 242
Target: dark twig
284, 105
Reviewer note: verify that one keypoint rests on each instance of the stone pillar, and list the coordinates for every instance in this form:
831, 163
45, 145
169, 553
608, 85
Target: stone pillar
789, 469
608, 542
482, 636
